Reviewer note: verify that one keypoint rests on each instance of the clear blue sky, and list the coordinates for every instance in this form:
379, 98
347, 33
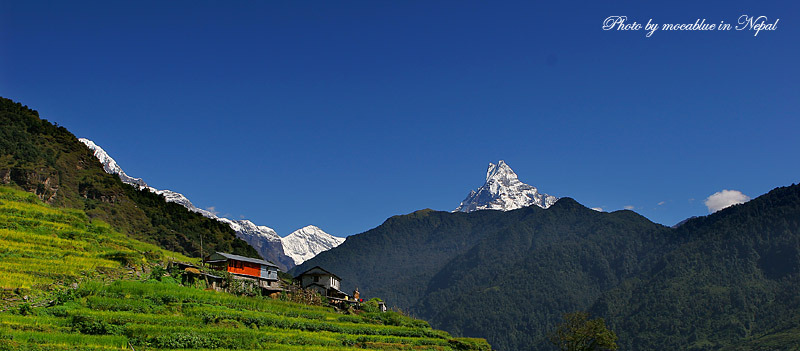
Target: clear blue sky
343, 113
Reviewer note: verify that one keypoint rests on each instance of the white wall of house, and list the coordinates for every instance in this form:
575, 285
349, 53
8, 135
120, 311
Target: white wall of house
325, 280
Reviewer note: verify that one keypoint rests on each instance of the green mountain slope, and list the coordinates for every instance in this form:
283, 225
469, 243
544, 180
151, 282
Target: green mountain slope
399, 258
734, 278
717, 281
49, 161
515, 284
155, 315
43, 249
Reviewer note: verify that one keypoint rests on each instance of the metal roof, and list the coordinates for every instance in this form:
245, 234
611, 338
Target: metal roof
320, 268
243, 259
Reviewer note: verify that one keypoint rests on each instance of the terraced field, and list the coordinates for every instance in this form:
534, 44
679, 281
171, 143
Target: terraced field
165, 315
45, 249
42, 248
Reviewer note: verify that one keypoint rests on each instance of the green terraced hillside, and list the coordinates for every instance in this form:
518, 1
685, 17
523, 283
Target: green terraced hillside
164, 315
44, 249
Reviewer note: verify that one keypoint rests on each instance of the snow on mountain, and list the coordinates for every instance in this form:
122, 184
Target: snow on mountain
504, 191
111, 166
307, 242
264, 239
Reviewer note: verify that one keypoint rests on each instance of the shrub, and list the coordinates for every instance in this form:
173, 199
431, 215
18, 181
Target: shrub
25, 309
157, 273
90, 325
60, 297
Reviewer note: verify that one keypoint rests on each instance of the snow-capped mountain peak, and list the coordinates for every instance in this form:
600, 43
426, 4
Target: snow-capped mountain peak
249, 228
111, 166
307, 242
501, 172
264, 239
504, 191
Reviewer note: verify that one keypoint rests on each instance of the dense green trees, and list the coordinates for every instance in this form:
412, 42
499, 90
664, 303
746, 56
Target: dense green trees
579, 333
48, 160
728, 279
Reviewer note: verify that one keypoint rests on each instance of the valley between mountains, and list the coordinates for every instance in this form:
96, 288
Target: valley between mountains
505, 265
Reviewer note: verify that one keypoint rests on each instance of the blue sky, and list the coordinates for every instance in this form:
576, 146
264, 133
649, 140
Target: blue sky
342, 113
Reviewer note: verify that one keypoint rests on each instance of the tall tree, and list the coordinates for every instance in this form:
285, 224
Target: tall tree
579, 333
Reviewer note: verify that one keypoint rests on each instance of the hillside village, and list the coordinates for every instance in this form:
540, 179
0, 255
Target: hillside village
265, 277
68, 282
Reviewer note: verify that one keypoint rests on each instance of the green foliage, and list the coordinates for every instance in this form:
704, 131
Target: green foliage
161, 315
43, 248
578, 333
25, 309
732, 276
92, 326
371, 306
158, 273
714, 282
48, 161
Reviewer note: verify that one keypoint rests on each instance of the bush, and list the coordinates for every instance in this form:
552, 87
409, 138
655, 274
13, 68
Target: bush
62, 296
90, 325
157, 273
184, 340
25, 309
371, 306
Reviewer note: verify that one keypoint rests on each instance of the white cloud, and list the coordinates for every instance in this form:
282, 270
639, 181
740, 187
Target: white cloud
598, 209
629, 207
661, 203
725, 198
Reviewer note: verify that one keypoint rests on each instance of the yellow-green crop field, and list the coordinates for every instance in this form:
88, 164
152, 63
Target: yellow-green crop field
152, 315
43, 249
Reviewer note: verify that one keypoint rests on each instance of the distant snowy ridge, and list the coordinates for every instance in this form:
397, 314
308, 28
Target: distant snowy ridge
504, 191
307, 242
111, 166
264, 239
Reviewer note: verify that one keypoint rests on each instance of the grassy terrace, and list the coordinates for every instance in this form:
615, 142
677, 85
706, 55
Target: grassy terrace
44, 249
165, 315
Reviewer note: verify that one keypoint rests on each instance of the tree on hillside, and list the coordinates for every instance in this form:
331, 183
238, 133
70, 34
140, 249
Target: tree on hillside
578, 333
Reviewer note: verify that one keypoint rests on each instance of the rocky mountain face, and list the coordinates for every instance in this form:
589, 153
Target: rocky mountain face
299, 246
307, 242
504, 191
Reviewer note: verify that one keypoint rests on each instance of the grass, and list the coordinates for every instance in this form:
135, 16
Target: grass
163, 314
43, 250
42, 247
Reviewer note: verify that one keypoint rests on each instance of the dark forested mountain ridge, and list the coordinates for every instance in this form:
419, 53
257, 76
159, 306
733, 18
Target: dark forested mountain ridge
733, 280
514, 285
719, 281
48, 160
496, 273
397, 259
